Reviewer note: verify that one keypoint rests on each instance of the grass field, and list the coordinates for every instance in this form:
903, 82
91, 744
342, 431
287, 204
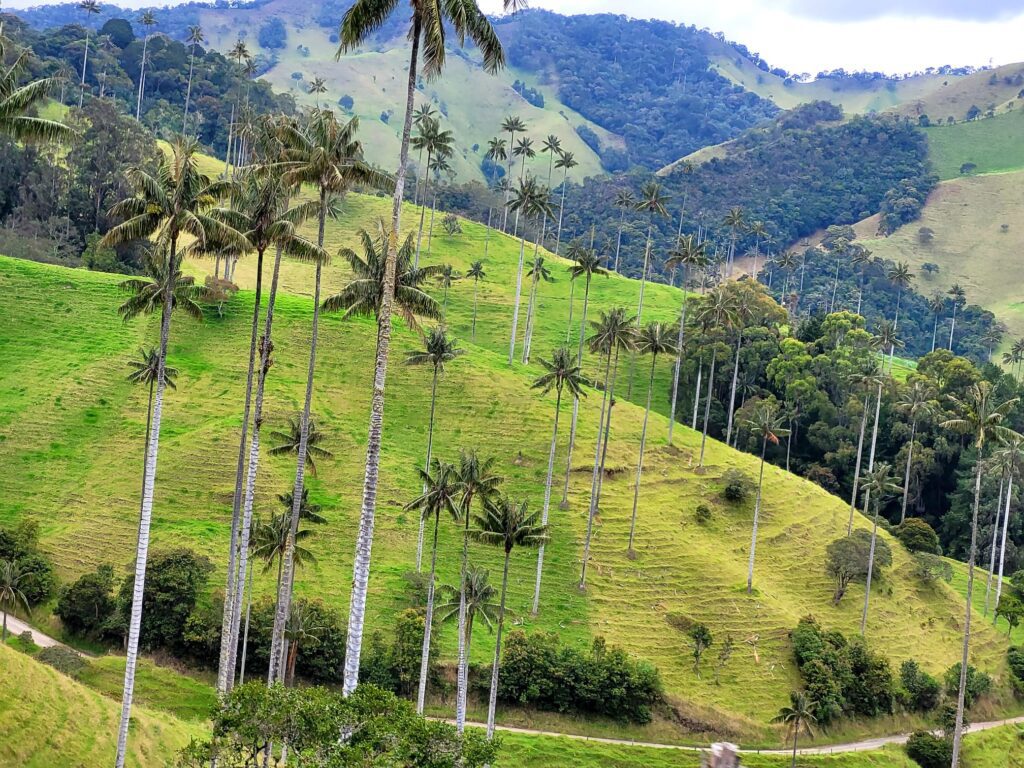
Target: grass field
155, 687
994, 145
71, 428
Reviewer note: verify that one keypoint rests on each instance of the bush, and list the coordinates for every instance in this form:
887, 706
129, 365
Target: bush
21, 543
978, 684
918, 536
737, 486
86, 606
346, 102
847, 559
703, 513
538, 670
929, 751
931, 568
1015, 657
273, 34
62, 659
921, 692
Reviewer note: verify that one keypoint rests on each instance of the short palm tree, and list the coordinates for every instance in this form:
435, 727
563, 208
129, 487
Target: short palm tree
364, 294
440, 496
12, 583
17, 102
287, 442
881, 485
439, 349
562, 373
477, 483
565, 162
317, 88
654, 340
147, 294
588, 264
147, 20
766, 423
91, 8
624, 201
537, 273
690, 254
798, 716
915, 404
299, 631
193, 39
612, 333
507, 524
980, 417
446, 278
175, 202
476, 273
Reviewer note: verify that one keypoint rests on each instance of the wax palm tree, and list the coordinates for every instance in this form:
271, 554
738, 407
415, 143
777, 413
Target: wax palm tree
866, 380
1012, 455
299, 631
13, 581
1004, 463
438, 144
690, 255
429, 25
473, 600
146, 294
420, 116
439, 349
476, 273
787, 262
174, 203
446, 278
565, 162
148, 20
991, 338
735, 221
900, 276
880, 484
798, 716
562, 373
531, 199
861, 258
239, 53
364, 294
144, 370
510, 125
440, 496
16, 102
193, 39
316, 89
624, 201
507, 524
655, 339
497, 152
90, 8
937, 306
612, 333
981, 418
766, 422
915, 404
537, 273
716, 313
959, 297
652, 202
744, 314
588, 264
287, 442
759, 231
440, 166
477, 483
552, 146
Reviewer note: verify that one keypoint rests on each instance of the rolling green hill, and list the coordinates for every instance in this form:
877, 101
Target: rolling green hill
994, 145
71, 427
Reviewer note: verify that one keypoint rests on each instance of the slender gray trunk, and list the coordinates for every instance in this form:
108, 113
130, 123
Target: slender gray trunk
757, 517
992, 553
593, 481
426, 467
462, 677
575, 400
679, 359
245, 632
492, 700
1002, 550
640, 459
618, 240
906, 475
188, 90
707, 405
142, 78
696, 394
952, 329
561, 210
856, 470
85, 64
547, 499
364, 541
871, 568
515, 309
572, 296
732, 391
428, 623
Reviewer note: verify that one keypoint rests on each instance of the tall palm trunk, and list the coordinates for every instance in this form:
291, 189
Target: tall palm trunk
958, 731
531, 309
508, 177
679, 359
476, 285
85, 64
142, 78
492, 699
597, 458
856, 470
433, 207
640, 305
757, 518
575, 400
696, 393
519, 293
572, 304
906, 474
428, 623
640, 459
952, 329
547, 499
229, 637
561, 210
1002, 550
618, 238
245, 631
871, 567
145, 450
707, 405
284, 595
364, 542
146, 516
188, 90
465, 630
732, 390
835, 287
871, 455
992, 551
426, 466
227, 152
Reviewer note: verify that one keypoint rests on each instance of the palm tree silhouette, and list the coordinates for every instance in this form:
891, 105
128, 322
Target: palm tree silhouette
510, 125
537, 272
688, 254
12, 582
798, 716
148, 20
766, 422
880, 484
477, 273
916, 404
288, 442
565, 162
194, 38
959, 297
91, 8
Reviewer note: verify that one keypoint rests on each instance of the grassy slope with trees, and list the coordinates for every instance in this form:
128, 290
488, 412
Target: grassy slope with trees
89, 404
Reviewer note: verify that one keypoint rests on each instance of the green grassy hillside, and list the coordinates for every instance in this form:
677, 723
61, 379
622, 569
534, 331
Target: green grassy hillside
70, 441
48, 720
994, 144
376, 76
970, 245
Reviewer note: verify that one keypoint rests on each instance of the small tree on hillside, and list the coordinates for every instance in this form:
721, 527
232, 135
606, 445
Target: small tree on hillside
702, 640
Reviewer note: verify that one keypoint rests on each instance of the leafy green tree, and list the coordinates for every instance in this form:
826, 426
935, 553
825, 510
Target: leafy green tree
847, 559
702, 639
12, 591
561, 373
85, 605
654, 339
767, 424
798, 716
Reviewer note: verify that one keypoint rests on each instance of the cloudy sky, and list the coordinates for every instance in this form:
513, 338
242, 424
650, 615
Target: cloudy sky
811, 35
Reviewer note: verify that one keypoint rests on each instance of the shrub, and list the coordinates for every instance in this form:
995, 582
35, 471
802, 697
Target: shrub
737, 486
539, 671
931, 568
62, 659
921, 692
929, 751
21, 543
85, 606
978, 684
918, 536
273, 34
346, 102
1015, 657
847, 559
703, 513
